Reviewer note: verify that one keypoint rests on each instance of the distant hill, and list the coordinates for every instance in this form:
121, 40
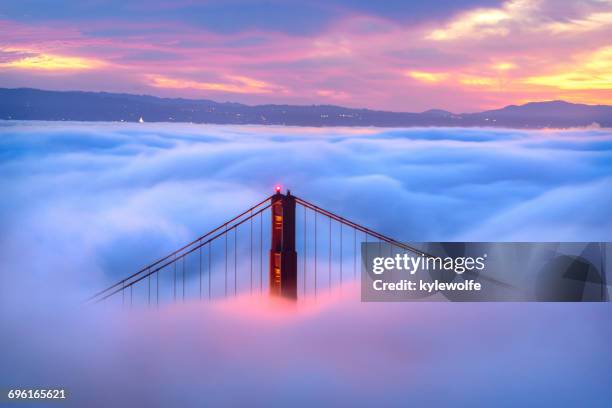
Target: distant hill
35, 104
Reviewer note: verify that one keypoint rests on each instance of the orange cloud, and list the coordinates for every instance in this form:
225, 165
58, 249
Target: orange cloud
236, 84
504, 66
482, 81
48, 62
427, 77
593, 72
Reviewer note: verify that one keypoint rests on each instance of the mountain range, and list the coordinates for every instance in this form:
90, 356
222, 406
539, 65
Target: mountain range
36, 104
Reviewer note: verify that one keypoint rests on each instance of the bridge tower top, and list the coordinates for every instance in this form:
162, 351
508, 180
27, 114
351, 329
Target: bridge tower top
283, 256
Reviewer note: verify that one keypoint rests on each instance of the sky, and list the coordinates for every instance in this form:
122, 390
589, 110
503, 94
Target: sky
462, 55
86, 203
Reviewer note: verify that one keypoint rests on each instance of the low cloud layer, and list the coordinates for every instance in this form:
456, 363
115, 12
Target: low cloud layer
336, 352
85, 204
88, 204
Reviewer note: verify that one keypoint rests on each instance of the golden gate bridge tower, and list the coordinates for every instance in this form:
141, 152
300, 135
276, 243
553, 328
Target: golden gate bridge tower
310, 249
283, 256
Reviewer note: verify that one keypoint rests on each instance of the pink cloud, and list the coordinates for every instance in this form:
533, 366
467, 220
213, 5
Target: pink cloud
479, 58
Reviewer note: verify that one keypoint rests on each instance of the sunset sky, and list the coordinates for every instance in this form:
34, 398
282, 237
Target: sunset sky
460, 55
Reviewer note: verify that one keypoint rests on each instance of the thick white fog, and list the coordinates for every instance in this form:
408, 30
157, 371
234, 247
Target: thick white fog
84, 204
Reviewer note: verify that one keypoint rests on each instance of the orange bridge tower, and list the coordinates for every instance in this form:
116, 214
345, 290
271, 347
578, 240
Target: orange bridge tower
283, 258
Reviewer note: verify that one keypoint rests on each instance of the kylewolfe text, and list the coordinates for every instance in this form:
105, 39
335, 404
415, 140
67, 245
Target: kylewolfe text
411, 264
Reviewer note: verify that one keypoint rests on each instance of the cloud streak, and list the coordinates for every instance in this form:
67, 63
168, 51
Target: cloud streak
236, 84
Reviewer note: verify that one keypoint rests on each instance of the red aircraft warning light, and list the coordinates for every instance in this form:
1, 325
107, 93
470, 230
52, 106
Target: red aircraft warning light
277, 189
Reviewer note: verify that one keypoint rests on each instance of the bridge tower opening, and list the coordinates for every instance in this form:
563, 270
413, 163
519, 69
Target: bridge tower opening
283, 257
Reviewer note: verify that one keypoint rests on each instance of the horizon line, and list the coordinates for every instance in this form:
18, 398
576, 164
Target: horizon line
299, 105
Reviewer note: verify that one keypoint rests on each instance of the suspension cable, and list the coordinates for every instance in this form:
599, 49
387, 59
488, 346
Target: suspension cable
184, 247
360, 227
259, 212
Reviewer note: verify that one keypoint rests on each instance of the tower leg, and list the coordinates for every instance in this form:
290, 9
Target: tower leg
283, 258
